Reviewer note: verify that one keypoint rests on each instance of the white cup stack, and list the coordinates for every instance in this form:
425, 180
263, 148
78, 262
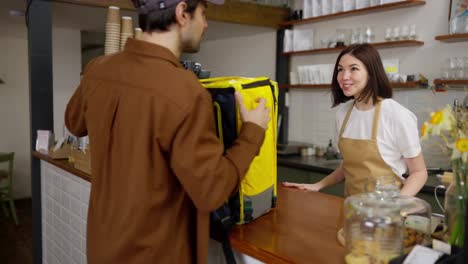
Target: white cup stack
138, 33
127, 30
112, 44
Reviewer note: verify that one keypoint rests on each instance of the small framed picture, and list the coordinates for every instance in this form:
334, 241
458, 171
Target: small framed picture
458, 8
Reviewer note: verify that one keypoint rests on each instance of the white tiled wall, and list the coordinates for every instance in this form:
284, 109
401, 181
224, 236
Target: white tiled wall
312, 119
64, 200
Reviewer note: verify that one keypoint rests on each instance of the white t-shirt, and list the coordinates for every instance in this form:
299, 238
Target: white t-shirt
397, 132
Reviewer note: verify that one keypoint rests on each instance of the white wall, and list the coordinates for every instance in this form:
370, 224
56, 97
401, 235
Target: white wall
312, 119
14, 97
237, 50
66, 52
14, 94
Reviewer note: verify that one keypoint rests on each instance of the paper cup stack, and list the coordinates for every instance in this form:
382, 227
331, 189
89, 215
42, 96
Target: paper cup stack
138, 33
112, 43
127, 30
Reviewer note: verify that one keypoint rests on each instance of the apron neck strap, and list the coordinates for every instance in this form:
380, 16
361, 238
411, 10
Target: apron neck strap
375, 123
345, 121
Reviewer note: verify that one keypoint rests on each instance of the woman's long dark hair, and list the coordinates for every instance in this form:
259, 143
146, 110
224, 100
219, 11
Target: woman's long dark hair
377, 83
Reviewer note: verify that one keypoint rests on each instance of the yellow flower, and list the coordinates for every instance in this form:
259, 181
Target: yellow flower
462, 144
436, 118
451, 125
460, 148
442, 120
425, 130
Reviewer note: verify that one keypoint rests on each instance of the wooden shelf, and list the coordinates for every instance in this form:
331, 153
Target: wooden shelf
450, 82
379, 45
453, 38
327, 85
405, 84
232, 11
373, 9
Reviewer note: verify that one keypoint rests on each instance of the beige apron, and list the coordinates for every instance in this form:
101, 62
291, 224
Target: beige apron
361, 158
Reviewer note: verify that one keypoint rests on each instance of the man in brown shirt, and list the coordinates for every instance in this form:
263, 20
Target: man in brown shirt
158, 168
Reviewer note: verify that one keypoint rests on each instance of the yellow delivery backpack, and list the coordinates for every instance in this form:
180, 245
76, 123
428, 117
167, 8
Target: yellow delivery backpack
257, 191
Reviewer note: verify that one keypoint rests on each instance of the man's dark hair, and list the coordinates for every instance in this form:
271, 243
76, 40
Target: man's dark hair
378, 84
160, 20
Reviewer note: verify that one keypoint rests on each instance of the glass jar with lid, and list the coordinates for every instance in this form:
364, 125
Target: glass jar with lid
382, 224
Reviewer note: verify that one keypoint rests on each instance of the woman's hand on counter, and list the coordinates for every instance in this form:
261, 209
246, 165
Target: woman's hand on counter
333, 178
315, 187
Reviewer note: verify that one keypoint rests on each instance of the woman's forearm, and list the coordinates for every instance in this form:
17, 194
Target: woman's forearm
333, 178
417, 177
414, 183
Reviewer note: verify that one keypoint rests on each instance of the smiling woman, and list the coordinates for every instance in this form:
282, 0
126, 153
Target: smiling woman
377, 135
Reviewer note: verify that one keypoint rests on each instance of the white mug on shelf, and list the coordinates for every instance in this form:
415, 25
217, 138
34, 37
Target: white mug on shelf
412, 34
396, 33
388, 33
405, 32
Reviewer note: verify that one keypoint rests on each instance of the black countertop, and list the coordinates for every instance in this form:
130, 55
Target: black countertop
322, 165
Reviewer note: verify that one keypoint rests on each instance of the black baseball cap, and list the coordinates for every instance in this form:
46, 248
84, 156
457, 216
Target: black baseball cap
146, 6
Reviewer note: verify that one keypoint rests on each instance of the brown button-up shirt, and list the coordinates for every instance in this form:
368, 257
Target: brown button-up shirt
158, 168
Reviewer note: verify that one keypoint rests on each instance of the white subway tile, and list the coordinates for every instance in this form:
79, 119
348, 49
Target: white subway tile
68, 232
83, 245
76, 190
73, 177
75, 206
59, 179
85, 191
60, 256
67, 248
67, 215
75, 223
62, 212
87, 184
62, 195
49, 190
66, 201
76, 255
83, 228
53, 259
55, 208
67, 185
60, 237
44, 246
83, 259
49, 231
84, 211
54, 249
76, 239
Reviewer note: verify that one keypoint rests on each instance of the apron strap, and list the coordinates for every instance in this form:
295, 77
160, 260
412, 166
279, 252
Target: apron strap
375, 123
345, 121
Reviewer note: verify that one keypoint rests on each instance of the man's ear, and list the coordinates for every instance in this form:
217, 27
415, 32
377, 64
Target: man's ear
181, 15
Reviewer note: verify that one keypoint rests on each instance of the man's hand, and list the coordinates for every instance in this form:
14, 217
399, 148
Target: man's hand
259, 115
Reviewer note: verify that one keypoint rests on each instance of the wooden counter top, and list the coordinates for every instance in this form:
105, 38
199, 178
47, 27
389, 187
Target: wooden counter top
301, 229
63, 164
